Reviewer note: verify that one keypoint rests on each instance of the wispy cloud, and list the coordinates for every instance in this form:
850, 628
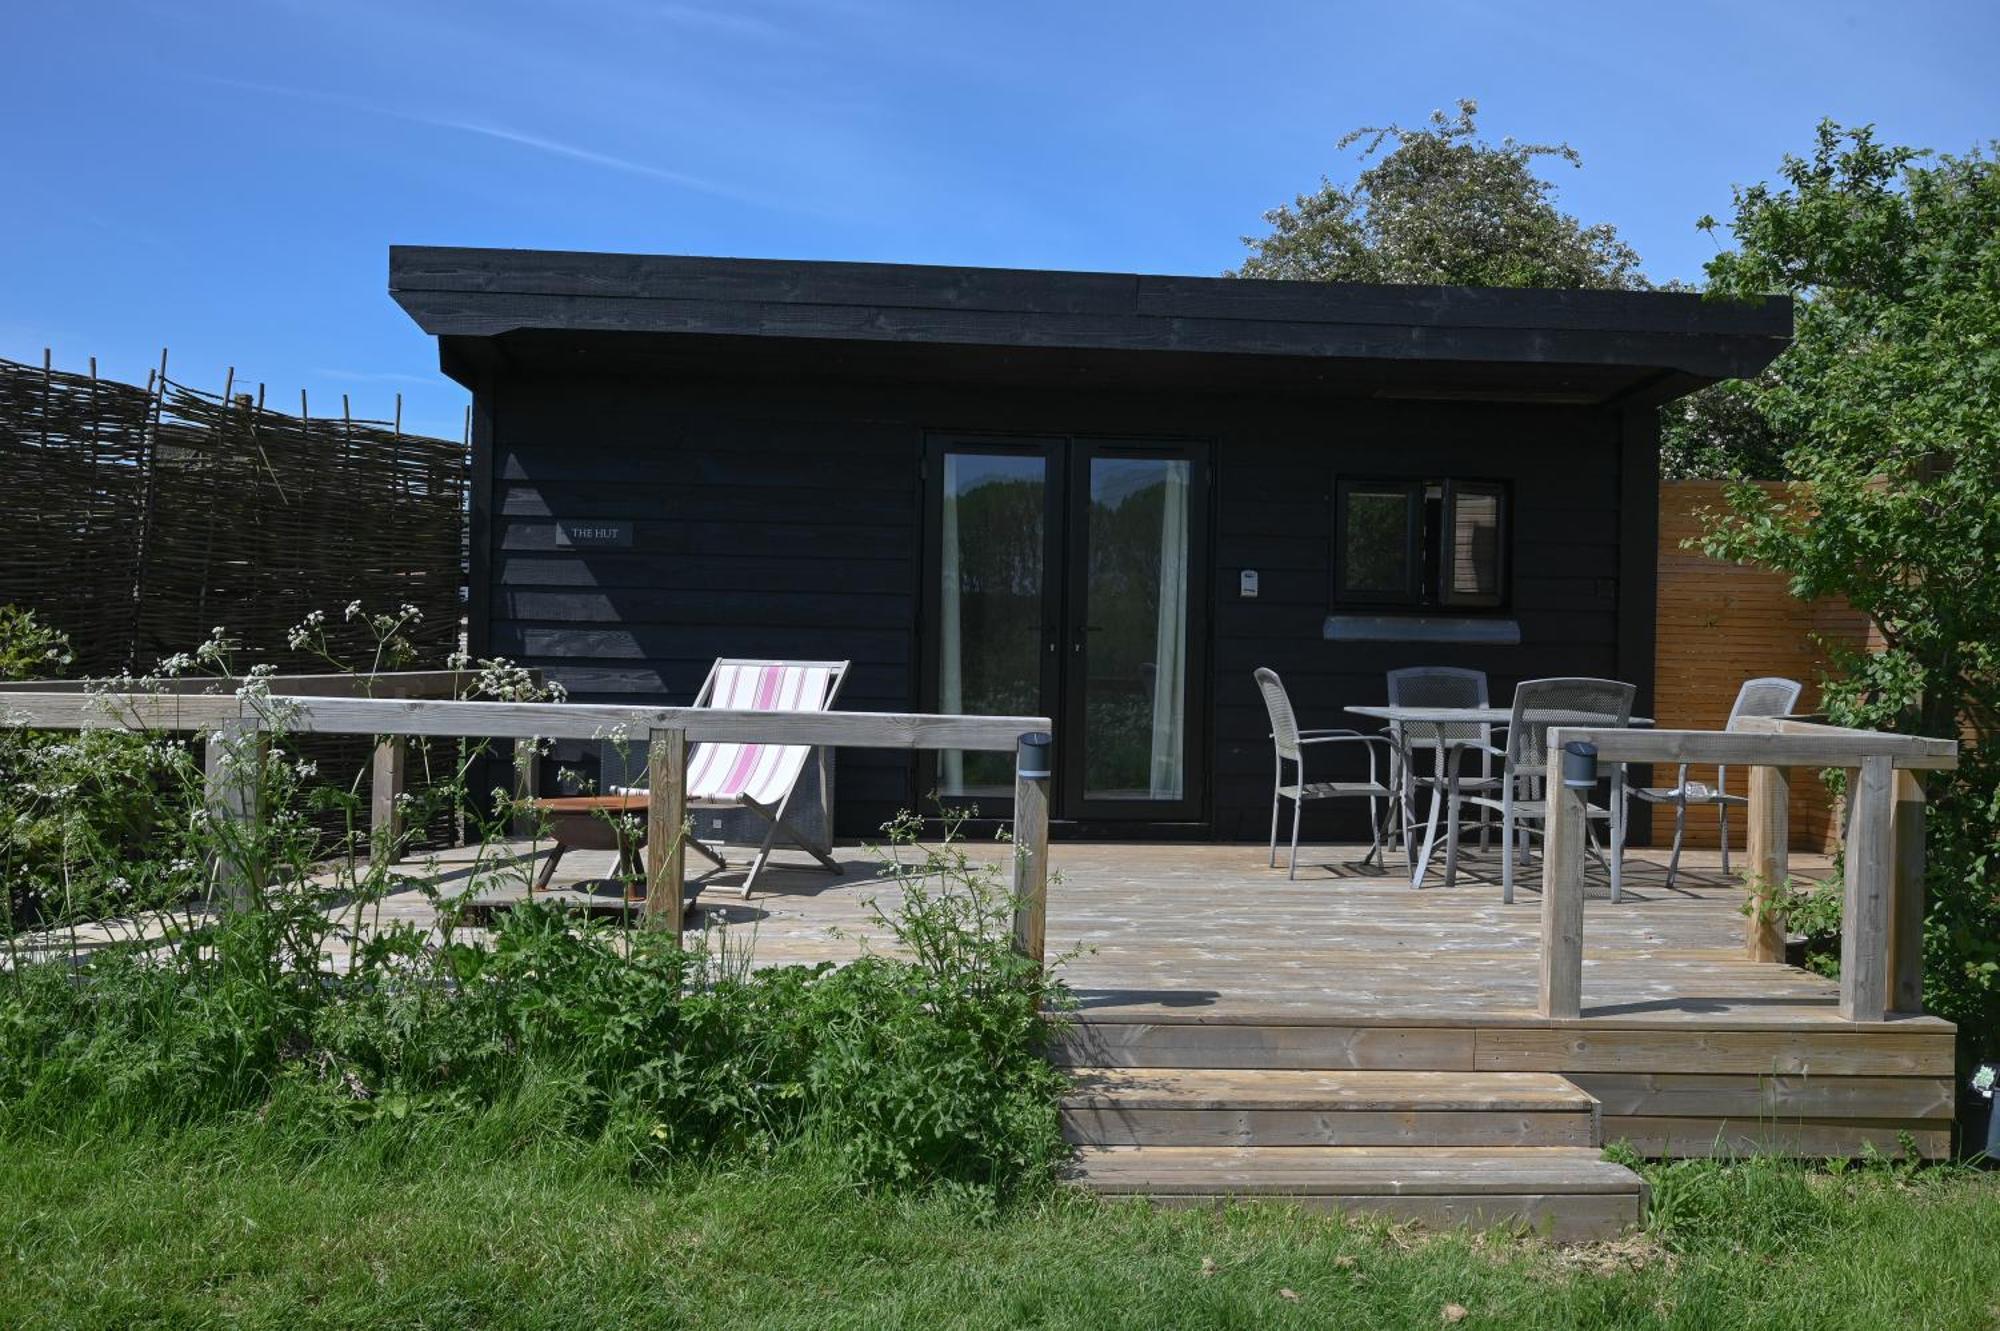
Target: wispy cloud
576, 153
498, 133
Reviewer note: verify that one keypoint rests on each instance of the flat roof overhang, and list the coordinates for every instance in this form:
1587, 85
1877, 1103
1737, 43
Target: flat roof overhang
618, 313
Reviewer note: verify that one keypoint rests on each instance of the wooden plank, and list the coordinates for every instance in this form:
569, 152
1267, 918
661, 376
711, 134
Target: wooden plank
1906, 914
1561, 988
508, 720
1136, 1044
386, 684
1334, 1090
483, 293
385, 787
527, 764
1843, 1139
1121, 1125
1031, 865
120, 711
1833, 1051
1747, 746
1768, 857
1363, 1169
1870, 883
666, 828
1667, 1094
231, 765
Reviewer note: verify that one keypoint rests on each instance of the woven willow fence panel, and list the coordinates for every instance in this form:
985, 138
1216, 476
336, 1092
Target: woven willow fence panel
137, 519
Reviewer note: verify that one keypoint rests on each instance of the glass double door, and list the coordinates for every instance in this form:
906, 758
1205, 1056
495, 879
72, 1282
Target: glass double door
1064, 580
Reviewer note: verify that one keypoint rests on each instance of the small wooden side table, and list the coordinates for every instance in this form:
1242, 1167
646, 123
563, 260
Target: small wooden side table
597, 822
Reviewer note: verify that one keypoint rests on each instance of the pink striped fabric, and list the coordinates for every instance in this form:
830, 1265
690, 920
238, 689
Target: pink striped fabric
764, 772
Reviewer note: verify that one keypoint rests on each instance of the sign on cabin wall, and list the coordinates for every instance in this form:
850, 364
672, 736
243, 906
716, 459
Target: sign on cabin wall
604, 533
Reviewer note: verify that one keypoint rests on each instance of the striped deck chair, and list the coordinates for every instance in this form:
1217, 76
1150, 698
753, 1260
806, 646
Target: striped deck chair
762, 777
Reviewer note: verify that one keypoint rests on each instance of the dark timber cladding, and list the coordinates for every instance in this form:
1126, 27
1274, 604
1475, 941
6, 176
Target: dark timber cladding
738, 448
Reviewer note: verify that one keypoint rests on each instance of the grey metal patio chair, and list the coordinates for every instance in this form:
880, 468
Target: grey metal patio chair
1539, 706
1772, 695
1291, 743
1437, 686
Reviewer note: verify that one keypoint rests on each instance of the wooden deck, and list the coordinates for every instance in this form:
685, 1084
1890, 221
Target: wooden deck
1200, 957
1204, 933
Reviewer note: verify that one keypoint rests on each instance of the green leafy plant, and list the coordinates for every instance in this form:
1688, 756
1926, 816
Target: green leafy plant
30, 649
917, 1066
1889, 403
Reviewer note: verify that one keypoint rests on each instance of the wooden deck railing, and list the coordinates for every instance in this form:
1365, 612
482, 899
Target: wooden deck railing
667, 732
390, 762
1881, 950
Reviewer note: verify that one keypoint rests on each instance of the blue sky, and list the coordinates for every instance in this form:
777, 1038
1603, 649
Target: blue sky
225, 179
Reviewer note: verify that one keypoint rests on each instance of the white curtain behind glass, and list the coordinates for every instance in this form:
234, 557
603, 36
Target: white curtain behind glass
1170, 639
951, 678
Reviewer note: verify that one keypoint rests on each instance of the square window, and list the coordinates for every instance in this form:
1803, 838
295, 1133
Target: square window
1420, 543
1474, 555
1379, 527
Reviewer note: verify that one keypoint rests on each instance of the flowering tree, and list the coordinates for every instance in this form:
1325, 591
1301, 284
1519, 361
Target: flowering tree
1442, 206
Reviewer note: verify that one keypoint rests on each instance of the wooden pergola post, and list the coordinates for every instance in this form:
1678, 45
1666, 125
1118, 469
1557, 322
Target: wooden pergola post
1562, 893
1032, 756
1865, 915
1906, 915
1769, 861
385, 810
666, 828
527, 784
232, 765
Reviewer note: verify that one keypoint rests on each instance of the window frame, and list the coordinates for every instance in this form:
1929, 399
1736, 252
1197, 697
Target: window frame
1447, 565
1431, 557
1413, 529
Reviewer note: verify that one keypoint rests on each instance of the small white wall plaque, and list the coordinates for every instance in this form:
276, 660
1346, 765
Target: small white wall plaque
1246, 584
612, 532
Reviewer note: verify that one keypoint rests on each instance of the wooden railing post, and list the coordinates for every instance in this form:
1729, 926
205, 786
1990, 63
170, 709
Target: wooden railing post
1864, 931
1769, 861
385, 810
527, 784
666, 828
1032, 756
232, 764
1906, 914
1562, 893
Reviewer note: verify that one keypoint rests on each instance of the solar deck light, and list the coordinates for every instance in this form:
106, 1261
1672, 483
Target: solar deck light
1032, 754
1579, 765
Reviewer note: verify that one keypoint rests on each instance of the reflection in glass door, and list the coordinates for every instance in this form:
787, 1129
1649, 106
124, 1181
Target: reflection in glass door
1134, 656
991, 537
1061, 583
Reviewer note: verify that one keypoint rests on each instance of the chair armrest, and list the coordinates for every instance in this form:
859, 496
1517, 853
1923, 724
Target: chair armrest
1340, 737
1458, 746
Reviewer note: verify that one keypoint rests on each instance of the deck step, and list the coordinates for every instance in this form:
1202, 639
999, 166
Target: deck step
1230, 1107
1566, 1193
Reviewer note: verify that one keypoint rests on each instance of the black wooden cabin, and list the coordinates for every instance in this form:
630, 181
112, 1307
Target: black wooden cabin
1101, 497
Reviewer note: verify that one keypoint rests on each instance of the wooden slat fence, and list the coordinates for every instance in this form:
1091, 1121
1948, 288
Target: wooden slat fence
1719, 624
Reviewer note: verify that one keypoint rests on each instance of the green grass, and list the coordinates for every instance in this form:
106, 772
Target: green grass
230, 1227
